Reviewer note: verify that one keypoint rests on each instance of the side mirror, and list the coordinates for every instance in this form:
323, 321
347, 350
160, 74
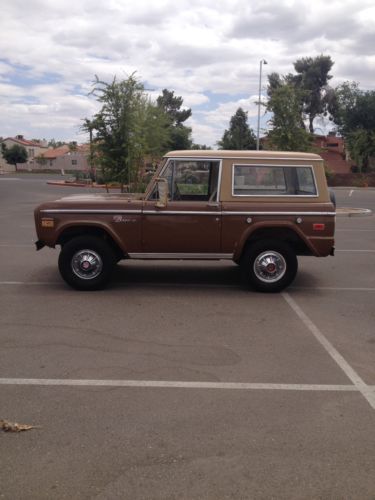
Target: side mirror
163, 192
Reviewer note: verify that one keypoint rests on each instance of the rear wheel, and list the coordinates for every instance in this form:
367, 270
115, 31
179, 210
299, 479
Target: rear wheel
269, 265
86, 263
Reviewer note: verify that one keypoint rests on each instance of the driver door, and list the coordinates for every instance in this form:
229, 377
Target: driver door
190, 223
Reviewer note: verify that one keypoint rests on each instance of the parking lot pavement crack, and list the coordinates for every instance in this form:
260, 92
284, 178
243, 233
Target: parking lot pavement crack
186, 354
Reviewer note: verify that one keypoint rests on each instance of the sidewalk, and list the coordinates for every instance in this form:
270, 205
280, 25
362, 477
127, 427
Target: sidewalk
352, 212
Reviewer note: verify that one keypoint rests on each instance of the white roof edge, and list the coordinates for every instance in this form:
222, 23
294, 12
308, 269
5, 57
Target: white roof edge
251, 154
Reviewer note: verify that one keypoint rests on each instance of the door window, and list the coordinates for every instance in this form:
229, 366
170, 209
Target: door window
193, 180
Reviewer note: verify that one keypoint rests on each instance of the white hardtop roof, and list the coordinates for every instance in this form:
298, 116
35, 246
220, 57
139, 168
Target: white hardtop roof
250, 154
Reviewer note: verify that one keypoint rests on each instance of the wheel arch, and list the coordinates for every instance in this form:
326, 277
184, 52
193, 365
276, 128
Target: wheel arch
281, 231
69, 232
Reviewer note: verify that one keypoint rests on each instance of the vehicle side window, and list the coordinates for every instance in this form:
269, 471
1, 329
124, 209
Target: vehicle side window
260, 180
305, 180
266, 180
193, 180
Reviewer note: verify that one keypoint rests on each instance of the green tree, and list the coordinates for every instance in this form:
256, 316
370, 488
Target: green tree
353, 111
171, 105
180, 135
287, 134
202, 147
128, 127
361, 145
15, 154
312, 78
239, 135
55, 144
152, 125
89, 126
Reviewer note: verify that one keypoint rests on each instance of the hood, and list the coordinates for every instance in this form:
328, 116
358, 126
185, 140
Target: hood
100, 198
95, 202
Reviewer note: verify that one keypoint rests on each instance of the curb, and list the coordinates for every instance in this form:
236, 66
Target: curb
353, 212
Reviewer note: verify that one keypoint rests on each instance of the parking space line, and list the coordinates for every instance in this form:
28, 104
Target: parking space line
177, 384
354, 251
191, 285
29, 283
334, 288
367, 391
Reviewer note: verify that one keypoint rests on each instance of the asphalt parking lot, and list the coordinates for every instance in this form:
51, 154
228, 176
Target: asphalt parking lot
175, 383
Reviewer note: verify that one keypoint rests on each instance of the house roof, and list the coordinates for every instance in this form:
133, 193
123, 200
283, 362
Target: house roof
53, 153
25, 142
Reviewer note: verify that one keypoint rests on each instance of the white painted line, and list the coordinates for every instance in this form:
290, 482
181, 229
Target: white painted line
334, 288
355, 251
30, 283
15, 245
127, 284
187, 285
356, 230
175, 384
367, 391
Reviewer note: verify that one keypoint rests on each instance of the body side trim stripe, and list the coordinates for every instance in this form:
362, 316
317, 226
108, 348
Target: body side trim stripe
332, 214
176, 212
89, 211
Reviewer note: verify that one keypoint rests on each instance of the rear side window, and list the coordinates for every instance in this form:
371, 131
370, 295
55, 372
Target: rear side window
270, 180
305, 181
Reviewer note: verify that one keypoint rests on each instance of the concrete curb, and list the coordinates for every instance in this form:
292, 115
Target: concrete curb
353, 212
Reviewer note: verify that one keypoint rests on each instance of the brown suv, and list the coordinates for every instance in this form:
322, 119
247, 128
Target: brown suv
258, 208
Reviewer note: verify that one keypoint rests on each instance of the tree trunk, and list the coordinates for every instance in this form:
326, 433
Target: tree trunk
311, 126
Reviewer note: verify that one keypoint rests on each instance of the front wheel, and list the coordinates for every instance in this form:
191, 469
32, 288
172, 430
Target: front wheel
269, 265
86, 263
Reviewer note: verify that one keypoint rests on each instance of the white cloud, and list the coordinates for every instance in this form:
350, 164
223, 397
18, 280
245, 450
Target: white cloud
204, 50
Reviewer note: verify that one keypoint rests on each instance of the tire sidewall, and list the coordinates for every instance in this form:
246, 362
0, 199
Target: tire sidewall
251, 253
90, 243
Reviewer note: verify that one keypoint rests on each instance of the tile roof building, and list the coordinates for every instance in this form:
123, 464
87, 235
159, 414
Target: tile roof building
33, 149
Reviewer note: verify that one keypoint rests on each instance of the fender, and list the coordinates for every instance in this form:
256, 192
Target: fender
88, 223
250, 231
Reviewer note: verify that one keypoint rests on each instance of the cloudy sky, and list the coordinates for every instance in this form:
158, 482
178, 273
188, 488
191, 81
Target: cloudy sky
207, 51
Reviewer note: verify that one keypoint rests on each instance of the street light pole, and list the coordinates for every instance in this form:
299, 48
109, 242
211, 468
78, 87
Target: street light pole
262, 61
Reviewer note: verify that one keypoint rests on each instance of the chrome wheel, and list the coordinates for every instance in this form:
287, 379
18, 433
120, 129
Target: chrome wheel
86, 264
269, 266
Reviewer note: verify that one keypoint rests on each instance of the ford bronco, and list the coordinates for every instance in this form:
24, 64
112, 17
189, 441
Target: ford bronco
260, 209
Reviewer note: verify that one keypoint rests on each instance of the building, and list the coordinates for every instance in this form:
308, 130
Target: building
331, 148
64, 158
33, 149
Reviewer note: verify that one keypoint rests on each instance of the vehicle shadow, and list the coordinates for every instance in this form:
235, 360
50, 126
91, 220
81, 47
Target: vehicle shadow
179, 273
